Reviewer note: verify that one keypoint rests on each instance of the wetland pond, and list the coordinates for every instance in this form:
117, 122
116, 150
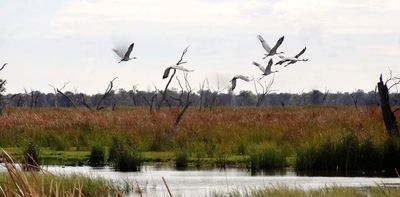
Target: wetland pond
200, 182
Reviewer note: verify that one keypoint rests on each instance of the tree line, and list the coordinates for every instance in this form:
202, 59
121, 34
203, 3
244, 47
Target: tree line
201, 99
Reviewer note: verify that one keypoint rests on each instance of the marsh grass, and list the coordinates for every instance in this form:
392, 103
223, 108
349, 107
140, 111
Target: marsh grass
181, 159
282, 191
124, 155
219, 133
31, 156
97, 156
350, 153
18, 182
267, 157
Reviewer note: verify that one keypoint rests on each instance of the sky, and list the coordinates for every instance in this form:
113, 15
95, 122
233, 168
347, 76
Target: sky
349, 42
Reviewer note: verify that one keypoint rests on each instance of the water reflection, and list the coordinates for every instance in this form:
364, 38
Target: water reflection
195, 182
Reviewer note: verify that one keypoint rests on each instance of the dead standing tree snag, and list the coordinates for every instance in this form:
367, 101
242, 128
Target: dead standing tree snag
185, 101
57, 91
2, 89
107, 93
265, 90
387, 112
165, 75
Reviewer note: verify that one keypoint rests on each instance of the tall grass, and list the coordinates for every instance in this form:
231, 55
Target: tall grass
97, 156
124, 155
267, 158
350, 154
281, 191
181, 159
17, 182
218, 133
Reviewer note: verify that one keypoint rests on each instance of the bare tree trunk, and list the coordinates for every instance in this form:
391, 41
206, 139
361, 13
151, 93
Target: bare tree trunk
106, 94
180, 115
164, 93
85, 103
20, 101
388, 115
354, 97
67, 97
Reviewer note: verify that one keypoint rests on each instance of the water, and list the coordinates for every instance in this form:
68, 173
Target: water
194, 182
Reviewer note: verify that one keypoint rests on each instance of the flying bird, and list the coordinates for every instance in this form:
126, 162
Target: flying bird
233, 81
125, 57
271, 51
292, 60
176, 67
267, 70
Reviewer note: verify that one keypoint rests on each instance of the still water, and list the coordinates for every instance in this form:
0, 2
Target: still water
193, 182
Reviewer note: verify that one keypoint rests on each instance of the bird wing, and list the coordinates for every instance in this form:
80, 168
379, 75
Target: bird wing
244, 78
301, 52
282, 57
181, 68
118, 53
264, 44
270, 62
233, 81
281, 62
128, 52
278, 43
259, 66
166, 72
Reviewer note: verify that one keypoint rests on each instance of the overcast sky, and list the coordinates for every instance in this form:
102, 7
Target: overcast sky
349, 42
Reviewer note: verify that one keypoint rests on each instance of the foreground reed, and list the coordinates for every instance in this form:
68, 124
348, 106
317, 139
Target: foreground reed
19, 182
282, 191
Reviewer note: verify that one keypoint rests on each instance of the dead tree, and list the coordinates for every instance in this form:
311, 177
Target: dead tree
152, 101
388, 115
212, 95
66, 97
56, 93
265, 90
325, 96
355, 98
2, 89
201, 93
84, 103
186, 101
34, 98
180, 99
164, 93
133, 95
107, 93
20, 101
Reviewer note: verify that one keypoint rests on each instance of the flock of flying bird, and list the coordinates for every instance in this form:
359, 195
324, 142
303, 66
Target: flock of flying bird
270, 52
265, 70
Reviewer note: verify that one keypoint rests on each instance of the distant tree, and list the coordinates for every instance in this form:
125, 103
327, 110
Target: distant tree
2, 89
262, 89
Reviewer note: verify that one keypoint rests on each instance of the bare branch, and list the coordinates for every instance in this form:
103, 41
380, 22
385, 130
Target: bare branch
106, 94
265, 89
183, 53
4, 65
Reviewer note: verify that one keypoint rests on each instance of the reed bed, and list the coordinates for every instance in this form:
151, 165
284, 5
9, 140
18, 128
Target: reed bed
219, 133
282, 191
37, 182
